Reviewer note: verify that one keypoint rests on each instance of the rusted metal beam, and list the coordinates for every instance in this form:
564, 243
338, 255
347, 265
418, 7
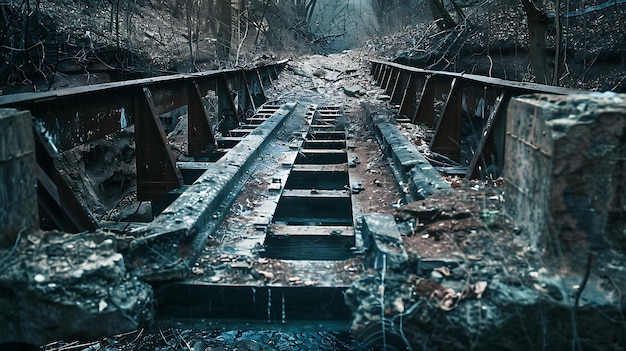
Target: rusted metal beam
260, 82
58, 205
388, 85
486, 136
226, 109
382, 78
400, 87
71, 117
434, 87
447, 138
201, 141
465, 95
516, 87
246, 100
157, 173
408, 105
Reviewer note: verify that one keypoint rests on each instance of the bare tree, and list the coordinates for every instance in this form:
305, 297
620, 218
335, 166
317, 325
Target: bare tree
537, 31
224, 29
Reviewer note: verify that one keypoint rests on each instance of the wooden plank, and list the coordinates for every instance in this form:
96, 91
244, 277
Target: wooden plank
325, 144
322, 151
314, 193
239, 132
320, 168
309, 230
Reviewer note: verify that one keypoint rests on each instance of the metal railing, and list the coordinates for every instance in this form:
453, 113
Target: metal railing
64, 119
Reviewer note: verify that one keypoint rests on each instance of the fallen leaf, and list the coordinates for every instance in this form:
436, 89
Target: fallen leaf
398, 304
266, 275
479, 288
443, 270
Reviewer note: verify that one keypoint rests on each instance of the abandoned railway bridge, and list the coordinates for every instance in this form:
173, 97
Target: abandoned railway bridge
266, 213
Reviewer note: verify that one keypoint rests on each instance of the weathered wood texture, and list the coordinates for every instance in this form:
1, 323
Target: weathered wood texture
18, 193
565, 171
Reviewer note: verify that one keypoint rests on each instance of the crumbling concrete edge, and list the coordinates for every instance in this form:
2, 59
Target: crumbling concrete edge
383, 241
181, 231
409, 165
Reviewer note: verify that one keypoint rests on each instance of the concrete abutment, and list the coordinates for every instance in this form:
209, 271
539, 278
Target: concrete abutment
18, 193
565, 171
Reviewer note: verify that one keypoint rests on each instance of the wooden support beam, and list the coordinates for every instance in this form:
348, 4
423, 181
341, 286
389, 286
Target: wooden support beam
157, 173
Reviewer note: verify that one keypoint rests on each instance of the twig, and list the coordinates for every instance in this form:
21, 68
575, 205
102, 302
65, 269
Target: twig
620, 83
119, 308
575, 338
621, 300
17, 241
245, 34
163, 336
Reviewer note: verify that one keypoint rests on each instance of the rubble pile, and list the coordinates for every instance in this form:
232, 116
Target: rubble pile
70, 284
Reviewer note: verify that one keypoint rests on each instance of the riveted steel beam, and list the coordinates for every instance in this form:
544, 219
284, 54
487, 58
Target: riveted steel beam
435, 87
201, 141
447, 138
67, 118
408, 104
157, 173
486, 146
466, 96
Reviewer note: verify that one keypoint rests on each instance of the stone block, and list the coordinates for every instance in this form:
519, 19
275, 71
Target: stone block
565, 171
18, 193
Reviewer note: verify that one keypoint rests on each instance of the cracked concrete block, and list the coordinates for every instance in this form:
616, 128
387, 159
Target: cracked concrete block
565, 171
383, 240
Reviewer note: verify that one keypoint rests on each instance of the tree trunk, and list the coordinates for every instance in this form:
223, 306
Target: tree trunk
441, 15
557, 54
537, 29
224, 29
